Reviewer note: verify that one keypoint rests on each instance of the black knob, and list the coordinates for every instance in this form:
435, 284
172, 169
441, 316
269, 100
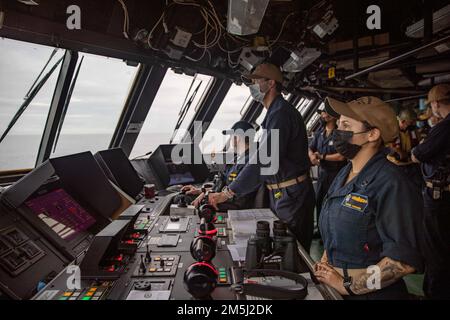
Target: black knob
148, 256
142, 266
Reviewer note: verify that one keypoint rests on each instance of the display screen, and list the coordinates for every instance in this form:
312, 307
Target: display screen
181, 178
61, 213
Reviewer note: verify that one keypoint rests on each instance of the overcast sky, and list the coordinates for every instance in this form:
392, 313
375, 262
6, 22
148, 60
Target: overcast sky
100, 92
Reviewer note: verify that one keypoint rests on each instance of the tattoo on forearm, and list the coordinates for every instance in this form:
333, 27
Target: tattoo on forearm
391, 271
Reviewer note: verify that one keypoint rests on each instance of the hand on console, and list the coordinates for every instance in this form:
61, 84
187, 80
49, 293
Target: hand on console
198, 201
191, 190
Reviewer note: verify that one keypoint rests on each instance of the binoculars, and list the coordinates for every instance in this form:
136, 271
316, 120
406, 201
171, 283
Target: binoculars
282, 244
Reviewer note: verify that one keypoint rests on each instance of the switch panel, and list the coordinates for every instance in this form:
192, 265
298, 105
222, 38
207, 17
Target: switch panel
17, 251
224, 277
95, 291
159, 266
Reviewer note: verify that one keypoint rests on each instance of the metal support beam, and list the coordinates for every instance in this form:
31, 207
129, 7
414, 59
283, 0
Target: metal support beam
400, 57
208, 107
295, 99
407, 98
139, 101
314, 106
365, 52
253, 111
57, 105
374, 90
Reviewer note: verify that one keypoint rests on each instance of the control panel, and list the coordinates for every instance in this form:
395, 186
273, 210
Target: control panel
178, 255
157, 266
150, 289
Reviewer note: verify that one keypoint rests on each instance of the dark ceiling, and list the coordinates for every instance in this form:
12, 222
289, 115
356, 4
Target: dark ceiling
287, 26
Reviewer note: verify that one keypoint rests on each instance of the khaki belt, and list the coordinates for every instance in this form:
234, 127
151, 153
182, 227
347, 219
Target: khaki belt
430, 185
287, 183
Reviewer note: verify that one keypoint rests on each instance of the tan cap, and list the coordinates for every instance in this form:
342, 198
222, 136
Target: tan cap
266, 71
425, 115
373, 110
439, 92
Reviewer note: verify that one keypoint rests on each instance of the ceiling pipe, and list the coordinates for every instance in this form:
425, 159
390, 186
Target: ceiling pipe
374, 90
398, 58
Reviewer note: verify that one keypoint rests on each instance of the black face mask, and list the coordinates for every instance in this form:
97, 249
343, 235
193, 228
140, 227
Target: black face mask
342, 145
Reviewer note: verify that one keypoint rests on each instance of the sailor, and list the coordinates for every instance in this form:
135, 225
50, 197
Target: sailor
242, 135
371, 219
434, 157
323, 154
284, 137
400, 149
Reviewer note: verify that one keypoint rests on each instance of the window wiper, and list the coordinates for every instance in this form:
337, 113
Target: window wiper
29, 98
66, 103
185, 108
40, 73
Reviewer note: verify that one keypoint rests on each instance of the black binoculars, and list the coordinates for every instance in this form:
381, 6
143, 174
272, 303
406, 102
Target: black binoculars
283, 244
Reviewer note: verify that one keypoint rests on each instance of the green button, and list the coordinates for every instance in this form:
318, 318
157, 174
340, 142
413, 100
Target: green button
86, 298
219, 218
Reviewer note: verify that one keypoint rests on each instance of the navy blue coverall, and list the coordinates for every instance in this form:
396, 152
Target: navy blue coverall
294, 204
230, 174
434, 155
377, 214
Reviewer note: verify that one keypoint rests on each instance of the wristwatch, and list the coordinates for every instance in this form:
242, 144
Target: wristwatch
348, 282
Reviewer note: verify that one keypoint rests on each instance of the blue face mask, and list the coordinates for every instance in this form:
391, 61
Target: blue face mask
256, 93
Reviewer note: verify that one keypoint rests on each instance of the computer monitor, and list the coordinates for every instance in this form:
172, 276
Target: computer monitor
67, 199
167, 172
69, 221
65, 216
120, 171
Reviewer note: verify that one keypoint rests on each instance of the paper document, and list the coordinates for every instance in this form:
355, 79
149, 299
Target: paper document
237, 251
243, 222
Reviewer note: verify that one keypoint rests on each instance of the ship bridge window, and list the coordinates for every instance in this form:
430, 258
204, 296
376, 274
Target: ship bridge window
21, 64
167, 110
96, 104
313, 120
303, 105
230, 111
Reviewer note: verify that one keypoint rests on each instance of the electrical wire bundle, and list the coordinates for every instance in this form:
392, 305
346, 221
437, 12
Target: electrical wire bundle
214, 32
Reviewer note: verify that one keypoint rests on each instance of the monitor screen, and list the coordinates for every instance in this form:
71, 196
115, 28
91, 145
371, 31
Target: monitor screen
119, 169
61, 213
168, 173
181, 178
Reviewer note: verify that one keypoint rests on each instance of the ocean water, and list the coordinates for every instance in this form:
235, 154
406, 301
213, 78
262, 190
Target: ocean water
20, 151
